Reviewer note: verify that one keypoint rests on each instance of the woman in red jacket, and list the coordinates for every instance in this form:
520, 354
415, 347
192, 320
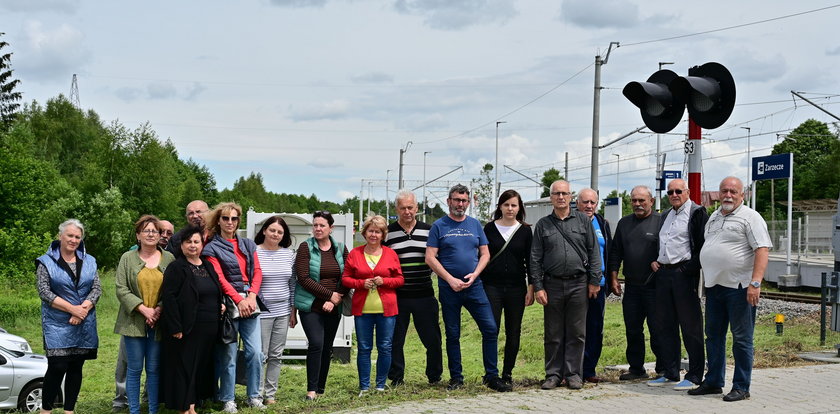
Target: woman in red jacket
374, 271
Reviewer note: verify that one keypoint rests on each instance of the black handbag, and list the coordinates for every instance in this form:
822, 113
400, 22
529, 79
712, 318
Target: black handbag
227, 332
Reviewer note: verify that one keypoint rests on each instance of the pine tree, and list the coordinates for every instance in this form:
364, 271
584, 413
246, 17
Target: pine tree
8, 97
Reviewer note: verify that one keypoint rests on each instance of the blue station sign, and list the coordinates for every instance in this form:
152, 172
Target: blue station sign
772, 167
671, 174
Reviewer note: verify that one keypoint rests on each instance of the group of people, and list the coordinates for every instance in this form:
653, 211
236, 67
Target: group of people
180, 293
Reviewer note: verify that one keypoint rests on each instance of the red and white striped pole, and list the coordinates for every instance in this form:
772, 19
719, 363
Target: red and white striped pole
695, 161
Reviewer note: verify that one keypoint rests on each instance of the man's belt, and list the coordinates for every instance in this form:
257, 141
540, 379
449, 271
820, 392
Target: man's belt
563, 277
672, 266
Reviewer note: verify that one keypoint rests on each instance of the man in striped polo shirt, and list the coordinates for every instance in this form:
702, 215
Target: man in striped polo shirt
408, 237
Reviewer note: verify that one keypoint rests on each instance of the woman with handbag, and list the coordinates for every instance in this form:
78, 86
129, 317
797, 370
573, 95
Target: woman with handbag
319, 264
506, 275
192, 303
139, 277
374, 272
235, 260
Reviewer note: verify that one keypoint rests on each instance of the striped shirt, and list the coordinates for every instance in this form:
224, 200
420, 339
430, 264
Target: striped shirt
278, 283
411, 249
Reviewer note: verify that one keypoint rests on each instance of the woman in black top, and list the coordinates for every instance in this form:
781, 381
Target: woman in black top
192, 304
506, 277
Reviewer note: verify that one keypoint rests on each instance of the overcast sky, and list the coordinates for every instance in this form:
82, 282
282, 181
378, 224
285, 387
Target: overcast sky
317, 95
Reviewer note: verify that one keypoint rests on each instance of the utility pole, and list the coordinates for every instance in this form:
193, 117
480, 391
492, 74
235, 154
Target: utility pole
660, 165
424, 184
617, 174
749, 181
361, 195
566, 167
387, 197
402, 152
496, 166
596, 117
74, 93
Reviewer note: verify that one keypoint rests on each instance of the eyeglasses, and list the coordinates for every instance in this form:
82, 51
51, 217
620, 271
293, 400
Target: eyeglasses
671, 192
149, 232
460, 200
587, 202
230, 219
560, 194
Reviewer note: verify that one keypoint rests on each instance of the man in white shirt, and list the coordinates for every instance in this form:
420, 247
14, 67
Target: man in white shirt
677, 278
734, 259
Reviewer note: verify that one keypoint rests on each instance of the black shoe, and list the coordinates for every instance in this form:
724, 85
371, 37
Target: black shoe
705, 389
574, 383
496, 384
454, 385
550, 383
736, 395
396, 382
630, 376
507, 379
431, 380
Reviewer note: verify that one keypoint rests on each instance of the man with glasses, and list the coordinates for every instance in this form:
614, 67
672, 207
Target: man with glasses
677, 270
457, 252
734, 259
636, 244
195, 212
565, 271
408, 236
587, 203
166, 231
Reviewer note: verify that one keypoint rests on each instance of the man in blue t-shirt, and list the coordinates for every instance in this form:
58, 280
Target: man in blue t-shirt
457, 252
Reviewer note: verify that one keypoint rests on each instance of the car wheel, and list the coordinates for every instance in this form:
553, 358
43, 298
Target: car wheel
29, 400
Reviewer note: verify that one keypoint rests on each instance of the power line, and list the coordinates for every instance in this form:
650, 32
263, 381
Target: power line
731, 27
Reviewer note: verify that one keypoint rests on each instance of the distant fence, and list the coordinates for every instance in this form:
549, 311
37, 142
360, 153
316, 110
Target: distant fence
811, 239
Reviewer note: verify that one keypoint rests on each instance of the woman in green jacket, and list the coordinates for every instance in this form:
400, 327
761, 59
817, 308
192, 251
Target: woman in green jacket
139, 279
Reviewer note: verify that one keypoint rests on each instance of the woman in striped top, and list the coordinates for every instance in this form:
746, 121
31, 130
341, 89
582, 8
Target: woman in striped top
277, 292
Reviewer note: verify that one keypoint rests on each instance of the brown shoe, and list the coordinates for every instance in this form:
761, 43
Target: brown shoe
593, 379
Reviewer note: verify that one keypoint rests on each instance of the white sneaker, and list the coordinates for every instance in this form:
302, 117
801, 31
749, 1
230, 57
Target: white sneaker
230, 407
257, 403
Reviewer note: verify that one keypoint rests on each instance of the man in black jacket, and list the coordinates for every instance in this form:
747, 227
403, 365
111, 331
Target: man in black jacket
636, 244
587, 203
677, 277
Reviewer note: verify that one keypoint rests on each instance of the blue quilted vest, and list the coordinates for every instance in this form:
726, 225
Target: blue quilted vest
58, 333
222, 250
304, 298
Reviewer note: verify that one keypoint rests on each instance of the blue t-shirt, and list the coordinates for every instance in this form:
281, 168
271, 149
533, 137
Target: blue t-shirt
601, 243
457, 243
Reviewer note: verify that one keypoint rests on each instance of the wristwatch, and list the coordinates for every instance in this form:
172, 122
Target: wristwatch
755, 284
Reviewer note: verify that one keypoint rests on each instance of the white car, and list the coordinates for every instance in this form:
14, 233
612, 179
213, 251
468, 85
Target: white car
22, 380
13, 342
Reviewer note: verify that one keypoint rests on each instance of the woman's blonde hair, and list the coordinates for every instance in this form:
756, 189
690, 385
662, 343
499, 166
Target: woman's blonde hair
215, 216
377, 221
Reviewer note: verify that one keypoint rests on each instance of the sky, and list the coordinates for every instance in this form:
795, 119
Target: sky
319, 96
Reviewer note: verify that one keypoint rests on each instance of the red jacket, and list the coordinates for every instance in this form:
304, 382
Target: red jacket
356, 271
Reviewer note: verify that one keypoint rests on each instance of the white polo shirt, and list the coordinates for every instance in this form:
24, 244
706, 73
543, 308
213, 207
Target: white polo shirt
728, 253
674, 240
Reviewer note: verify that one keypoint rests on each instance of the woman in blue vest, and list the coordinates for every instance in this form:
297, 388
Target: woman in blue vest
235, 260
139, 278
68, 283
319, 264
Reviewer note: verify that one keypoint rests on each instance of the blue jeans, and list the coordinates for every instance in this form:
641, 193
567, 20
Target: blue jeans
139, 350
249, 333
364, 337
728, 307
475, 300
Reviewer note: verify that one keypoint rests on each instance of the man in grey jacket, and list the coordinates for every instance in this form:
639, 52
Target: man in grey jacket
565, 271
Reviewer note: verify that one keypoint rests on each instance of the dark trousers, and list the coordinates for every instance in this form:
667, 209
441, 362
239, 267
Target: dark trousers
594, 332
475, 301
678, 309
511, 301
70, 370
564, 322
427, 325
320, 332
639, 305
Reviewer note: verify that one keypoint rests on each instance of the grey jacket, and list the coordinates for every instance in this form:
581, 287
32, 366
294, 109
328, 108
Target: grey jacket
551, 254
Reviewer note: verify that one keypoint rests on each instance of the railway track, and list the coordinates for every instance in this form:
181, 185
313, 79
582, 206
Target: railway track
791, 297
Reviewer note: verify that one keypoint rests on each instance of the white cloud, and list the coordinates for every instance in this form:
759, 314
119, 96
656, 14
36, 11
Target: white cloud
128, 94
833, 52
335, 109
161, 90
600, 14
344, 194
456, 15
193, 91
299, 3
51, 54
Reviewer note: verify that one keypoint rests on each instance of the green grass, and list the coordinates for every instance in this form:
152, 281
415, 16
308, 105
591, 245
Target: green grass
800, 334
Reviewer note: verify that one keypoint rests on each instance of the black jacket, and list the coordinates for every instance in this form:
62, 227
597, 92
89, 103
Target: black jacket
180, 295
511, 268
